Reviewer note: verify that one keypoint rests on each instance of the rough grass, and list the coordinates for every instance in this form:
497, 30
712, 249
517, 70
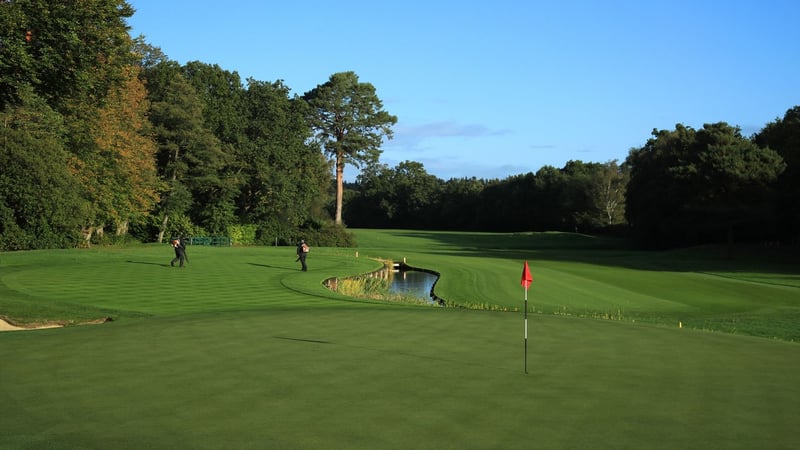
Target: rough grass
242, 350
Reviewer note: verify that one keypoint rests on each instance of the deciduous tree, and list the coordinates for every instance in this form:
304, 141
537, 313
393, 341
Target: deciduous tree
690, 186
190, 158
40, 205
123, 177
783, 136
607, 190
285, 178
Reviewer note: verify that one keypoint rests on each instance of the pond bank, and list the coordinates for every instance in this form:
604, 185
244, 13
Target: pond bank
391, 282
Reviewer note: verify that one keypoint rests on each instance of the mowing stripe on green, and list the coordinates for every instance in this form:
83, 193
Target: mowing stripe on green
393, 378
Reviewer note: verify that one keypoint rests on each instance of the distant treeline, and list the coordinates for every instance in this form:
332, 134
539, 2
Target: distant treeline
106, 139
682, 187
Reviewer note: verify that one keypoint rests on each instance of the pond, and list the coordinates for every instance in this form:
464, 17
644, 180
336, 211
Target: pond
416, 283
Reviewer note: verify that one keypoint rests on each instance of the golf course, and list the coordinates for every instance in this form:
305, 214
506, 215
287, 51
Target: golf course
694, 348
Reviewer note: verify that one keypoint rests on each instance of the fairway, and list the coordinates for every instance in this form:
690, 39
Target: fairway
242, 350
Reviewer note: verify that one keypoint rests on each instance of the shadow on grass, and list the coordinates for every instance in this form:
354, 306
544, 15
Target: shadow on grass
148, 263
272, 267
569, 247
313, 341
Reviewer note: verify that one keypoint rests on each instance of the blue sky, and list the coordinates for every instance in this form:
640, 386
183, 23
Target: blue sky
493, 89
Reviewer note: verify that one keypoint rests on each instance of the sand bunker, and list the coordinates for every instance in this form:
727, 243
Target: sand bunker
5, 326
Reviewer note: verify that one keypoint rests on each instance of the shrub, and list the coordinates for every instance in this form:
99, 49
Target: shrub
243, 234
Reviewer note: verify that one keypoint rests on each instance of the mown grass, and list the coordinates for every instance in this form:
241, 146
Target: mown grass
756, 292
242, 350
137, 281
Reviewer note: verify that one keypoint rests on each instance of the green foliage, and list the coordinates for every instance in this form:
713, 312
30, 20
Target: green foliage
404, 197
76, 59
315, 232
222, 95
73, 54
326, 233
459, 202
274, 231
243, 234
182, 225
783, 136
690, 186
190, 156
588, 196
40, 206
17, 61
349, 119
369, 203
283, 176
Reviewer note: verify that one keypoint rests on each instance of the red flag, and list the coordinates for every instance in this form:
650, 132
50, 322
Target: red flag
527, 279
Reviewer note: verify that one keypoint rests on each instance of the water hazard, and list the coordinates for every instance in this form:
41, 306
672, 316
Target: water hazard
414, 283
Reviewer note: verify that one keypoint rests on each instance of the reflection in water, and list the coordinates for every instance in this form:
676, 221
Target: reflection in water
414, 283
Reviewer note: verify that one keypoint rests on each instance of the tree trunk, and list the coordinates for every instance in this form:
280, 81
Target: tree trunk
87, 232
339, 187
122, 228
163, 228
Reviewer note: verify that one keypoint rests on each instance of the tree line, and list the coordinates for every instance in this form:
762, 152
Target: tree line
682, 187
104, 138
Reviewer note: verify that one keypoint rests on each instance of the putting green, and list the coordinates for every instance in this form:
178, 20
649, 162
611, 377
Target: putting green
393, 378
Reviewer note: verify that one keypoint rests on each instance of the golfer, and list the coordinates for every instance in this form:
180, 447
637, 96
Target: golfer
302, 251
180, 252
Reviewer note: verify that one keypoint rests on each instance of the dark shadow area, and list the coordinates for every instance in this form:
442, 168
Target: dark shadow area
313, 341
612, 252
148, 263
272, 267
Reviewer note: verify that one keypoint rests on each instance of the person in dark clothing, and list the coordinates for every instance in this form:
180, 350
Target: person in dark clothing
180, 252
302, 251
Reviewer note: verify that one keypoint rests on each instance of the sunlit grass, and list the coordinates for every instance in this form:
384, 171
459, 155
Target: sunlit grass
241, 349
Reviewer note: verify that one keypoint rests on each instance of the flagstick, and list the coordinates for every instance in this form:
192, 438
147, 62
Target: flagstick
526, 330
526, 281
